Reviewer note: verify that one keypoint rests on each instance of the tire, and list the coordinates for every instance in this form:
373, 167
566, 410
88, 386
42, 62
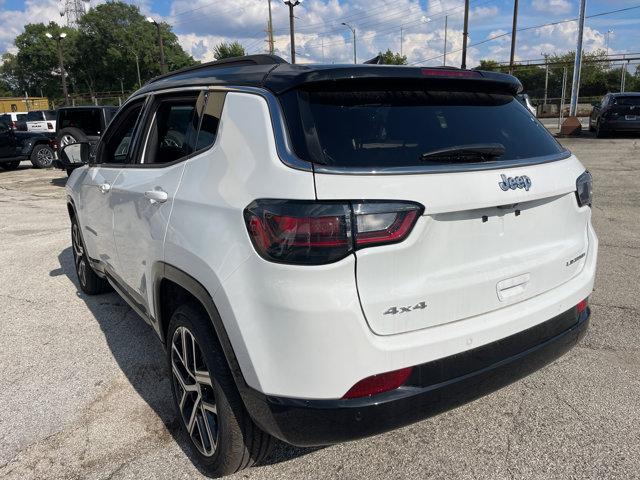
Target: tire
10, 165
42, 156
599, 132
90, 282
70, 135
238, 443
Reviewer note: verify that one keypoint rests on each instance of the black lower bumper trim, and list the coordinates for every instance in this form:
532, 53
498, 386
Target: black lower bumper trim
433, 388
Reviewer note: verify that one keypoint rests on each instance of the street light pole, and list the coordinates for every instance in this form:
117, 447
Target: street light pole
291, 4
546, 77
163, 66
444, 59
465, 34
63, 73
353, 30
609, 32
271, 44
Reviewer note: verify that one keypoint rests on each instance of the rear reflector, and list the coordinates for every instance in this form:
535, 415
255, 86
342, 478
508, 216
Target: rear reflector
582, 305
375, 384
443, 72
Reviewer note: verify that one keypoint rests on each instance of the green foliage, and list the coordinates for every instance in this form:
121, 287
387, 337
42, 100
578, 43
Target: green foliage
99, 53
390, 58
228, 50
597, 75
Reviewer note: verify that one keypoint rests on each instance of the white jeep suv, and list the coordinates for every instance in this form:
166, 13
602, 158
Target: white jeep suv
330, 252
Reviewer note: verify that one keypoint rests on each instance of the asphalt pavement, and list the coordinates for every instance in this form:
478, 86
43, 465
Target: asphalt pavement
84, 391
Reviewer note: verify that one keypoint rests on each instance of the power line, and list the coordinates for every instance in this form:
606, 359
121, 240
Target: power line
611, 12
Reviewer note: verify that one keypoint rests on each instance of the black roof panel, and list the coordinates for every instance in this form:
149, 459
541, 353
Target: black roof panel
275, 74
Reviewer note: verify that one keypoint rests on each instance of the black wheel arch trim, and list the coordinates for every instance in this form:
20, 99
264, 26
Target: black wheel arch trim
165, 271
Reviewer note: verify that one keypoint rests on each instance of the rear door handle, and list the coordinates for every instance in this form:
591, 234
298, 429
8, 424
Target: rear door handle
156, 196
104, 187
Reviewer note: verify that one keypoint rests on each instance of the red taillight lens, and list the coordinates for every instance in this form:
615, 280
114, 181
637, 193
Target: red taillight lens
445, 72
315, 233
49, 126
582, 305
375, 384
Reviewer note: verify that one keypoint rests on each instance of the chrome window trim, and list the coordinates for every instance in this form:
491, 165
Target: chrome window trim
288, 157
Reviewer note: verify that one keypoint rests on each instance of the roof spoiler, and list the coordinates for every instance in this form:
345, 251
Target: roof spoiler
260, 59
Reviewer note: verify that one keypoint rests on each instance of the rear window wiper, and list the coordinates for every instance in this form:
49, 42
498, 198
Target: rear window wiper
465, 153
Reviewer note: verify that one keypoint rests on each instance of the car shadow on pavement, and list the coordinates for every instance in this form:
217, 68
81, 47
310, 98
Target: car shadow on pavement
60, 181
140, 355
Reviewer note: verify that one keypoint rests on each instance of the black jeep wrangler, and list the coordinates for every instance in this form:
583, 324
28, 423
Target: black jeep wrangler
80, 125
16, 146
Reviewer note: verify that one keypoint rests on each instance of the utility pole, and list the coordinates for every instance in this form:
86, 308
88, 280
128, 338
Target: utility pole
271, 44
465, 34
623, 77
322, 46
163, 66
577, 66
353, 30
572, 126
291, 4
546, 77
138, 69
401, 40
444, 56
514, 30
63, 73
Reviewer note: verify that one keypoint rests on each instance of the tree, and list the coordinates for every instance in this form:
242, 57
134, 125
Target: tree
98, 55
489, 65
228, 50
390, 58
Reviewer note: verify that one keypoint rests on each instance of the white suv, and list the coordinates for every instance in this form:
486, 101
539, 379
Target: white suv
330, 252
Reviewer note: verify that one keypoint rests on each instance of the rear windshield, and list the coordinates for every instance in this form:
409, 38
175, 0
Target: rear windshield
34, 116
86, 119
50, 114
635, 101
394, 128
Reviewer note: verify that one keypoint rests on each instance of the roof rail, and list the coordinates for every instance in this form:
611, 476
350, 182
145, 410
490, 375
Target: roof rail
261, 59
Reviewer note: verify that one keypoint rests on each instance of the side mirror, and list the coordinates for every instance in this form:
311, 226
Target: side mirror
75, 154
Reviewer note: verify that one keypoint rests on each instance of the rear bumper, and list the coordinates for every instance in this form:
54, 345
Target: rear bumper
433, 387
620, 126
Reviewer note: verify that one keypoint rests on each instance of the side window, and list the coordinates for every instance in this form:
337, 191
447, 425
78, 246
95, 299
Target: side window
173, 130
210, 120
117, 144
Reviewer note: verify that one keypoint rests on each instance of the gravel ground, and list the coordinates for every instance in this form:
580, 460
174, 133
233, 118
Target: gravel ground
84, 391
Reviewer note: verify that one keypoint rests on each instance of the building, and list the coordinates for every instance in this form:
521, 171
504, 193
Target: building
9, 104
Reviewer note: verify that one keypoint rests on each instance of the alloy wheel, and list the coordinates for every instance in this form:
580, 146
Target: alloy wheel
194, 391
45, 157
78, 254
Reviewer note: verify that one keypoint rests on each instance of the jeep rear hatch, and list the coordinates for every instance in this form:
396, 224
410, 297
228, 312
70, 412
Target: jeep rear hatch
501, 223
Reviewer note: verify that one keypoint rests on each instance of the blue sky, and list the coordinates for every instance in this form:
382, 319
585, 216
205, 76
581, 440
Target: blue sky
200, 24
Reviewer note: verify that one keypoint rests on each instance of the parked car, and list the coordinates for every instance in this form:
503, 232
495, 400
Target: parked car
16, 146
618, 112
81, 124
330, 252
41, 121
15, 120
526, 101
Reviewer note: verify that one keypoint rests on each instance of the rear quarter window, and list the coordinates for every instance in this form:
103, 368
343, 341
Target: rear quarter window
393, 128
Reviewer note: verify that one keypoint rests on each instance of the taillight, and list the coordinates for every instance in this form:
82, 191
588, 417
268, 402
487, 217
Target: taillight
49, 126
316, 232
584, 189
375, 384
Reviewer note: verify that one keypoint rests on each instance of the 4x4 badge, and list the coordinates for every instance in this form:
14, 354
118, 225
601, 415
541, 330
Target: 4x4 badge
514, 182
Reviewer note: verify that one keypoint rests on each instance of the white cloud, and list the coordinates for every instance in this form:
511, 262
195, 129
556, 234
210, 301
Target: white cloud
552, 6
13, 21
479, 13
